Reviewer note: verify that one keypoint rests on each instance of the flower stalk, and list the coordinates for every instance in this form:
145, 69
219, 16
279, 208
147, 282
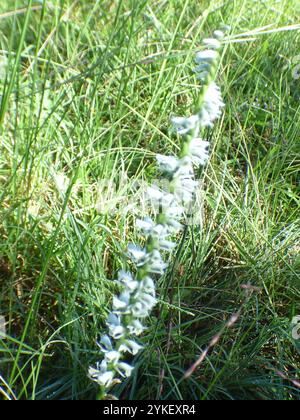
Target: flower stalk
126, 321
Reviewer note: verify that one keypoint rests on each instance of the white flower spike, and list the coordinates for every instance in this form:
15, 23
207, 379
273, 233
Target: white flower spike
138, 295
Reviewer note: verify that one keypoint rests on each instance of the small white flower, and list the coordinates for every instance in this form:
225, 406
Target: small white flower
104, 379
148, 286
212, 108
184, 181
112, 356
167, 245
213, 95
155, 194
199, 151
185, 125
174, 214
122, 302
118, 304
136, 327
202, 76
145, 225
124, 369
144, 303
105, 343
116, 329
161, 200
186, 167
206, 119
212, 43
147, 300
202, 71
206, 56
156, 265
202, 67
158, 196
113, 319
174, 225
168, 201
137, 255
187, 191
219, 34
168, 164
101, 375
126, 279
160, 231
130, 346
139, 310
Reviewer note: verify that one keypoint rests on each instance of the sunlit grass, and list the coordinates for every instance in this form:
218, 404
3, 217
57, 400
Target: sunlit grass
89, 90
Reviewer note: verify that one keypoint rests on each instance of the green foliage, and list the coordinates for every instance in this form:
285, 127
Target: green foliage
89, 90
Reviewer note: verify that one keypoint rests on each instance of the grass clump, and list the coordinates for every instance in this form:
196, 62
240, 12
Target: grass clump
87, 91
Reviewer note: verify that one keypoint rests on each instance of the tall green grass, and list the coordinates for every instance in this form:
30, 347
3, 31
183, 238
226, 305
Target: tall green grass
87, 95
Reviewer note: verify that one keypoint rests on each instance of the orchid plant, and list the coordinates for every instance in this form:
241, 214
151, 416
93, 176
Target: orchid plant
137, 299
